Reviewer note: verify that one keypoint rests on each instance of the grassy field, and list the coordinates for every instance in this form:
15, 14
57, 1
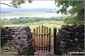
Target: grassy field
22, 14
51, 24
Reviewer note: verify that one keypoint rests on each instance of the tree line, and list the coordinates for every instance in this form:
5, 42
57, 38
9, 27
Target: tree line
29, 20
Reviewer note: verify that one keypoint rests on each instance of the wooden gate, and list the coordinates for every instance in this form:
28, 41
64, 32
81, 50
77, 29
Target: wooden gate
42, 38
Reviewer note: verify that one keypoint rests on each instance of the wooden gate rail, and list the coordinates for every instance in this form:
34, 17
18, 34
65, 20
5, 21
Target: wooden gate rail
42, 38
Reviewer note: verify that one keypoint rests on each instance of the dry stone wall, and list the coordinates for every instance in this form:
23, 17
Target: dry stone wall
70, 38
20, 38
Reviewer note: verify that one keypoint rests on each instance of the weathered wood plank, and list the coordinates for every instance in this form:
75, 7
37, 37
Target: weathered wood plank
39, 38
42, 38
47, 39
34, 39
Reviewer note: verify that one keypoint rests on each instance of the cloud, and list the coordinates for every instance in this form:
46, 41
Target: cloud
34, 4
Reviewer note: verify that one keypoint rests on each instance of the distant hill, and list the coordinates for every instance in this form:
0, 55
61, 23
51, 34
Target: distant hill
9, 10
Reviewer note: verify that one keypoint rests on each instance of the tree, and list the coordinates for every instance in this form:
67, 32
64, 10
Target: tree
77, 8
17, 3
3, 22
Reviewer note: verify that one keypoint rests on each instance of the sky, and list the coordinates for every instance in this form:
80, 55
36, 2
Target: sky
37, 4
34, 4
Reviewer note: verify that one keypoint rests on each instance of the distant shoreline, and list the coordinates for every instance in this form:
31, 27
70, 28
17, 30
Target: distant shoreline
44, 15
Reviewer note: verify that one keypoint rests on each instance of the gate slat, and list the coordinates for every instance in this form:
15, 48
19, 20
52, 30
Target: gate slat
42, 38
34, 39
39, 38
47, 40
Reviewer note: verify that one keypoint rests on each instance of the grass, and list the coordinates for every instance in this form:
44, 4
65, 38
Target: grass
22, 14
50, 24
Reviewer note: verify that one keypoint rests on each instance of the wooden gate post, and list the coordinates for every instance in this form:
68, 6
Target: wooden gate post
55, 40
49, 39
